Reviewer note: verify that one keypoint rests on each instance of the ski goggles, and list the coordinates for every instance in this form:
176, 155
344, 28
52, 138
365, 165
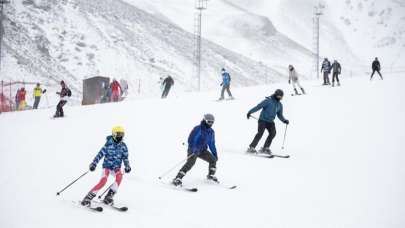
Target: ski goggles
119, 134
210, 122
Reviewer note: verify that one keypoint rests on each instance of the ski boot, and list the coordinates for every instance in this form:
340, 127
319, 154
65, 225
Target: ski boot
265, 150
87, 199
296, 92
251, 150
212, 178
177, 181
333, 84
303, 91
338, 84
108, 199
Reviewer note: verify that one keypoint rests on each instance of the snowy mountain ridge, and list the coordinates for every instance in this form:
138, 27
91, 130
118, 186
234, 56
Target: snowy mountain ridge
71, 40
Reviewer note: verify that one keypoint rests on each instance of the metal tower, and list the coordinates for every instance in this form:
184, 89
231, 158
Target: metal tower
317, 15
200, 5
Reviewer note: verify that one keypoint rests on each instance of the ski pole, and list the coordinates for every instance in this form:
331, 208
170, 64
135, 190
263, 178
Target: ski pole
58, 193
285, 133
254, 117
175, 166
109, 187
105, 191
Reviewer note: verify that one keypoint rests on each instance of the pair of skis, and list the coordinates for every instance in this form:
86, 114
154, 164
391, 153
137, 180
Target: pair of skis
100, 208
270, 155
194, 189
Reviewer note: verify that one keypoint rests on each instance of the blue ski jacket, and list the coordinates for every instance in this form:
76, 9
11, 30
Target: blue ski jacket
226, 79
114, 154
271, 107
200, 138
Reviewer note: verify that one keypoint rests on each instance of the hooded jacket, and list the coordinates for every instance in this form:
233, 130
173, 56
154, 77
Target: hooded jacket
271, 108
114, 154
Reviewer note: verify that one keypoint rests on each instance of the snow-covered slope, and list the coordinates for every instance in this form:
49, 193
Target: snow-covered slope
71, 40
346, 167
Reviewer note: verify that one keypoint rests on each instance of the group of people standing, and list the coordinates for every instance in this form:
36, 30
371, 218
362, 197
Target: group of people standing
20, 97
327, 68
115, 91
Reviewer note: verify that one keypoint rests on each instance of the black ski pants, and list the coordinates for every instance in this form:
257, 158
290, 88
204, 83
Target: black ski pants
335, 76
59, 108
36, 102
378, 71
263, 125
166, 91
206, 156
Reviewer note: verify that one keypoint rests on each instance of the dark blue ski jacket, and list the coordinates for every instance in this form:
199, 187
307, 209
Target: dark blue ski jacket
200, 138
114, 154
271, 108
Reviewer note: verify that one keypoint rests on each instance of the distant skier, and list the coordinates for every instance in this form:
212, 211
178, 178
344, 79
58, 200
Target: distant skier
124, 86
115, 91
270, 106
336, 70
64, 93
21, 99
167, 84
37, 95
226, 84
200, 139
375, 66
114, 152
293, 78
326, 67
17, 101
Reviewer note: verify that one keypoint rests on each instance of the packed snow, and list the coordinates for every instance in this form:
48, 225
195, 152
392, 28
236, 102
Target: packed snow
345, 170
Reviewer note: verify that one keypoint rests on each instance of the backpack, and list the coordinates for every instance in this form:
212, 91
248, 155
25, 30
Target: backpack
69, 92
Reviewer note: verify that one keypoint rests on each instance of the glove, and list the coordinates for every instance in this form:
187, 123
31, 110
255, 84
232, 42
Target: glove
289, 81
92, 167
286, 122
221, 84
44, 91
127, 169
248, 115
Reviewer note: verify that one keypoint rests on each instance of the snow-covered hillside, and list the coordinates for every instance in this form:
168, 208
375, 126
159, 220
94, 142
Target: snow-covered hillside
346, 167
71, 40
237, 29
351, 30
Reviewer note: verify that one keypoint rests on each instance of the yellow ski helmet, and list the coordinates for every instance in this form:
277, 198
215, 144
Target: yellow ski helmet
118, 132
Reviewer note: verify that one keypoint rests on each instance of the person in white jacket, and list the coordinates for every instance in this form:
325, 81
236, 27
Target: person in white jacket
293, 78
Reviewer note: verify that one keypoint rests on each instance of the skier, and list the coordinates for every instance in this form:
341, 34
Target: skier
167, 84
115, 91
17, 101
226, 83
124, 86
326, 71
375, 66
336, 70
21, 99
115, 152
271, 106
37, 95
293, 78
200, 139
63, 94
